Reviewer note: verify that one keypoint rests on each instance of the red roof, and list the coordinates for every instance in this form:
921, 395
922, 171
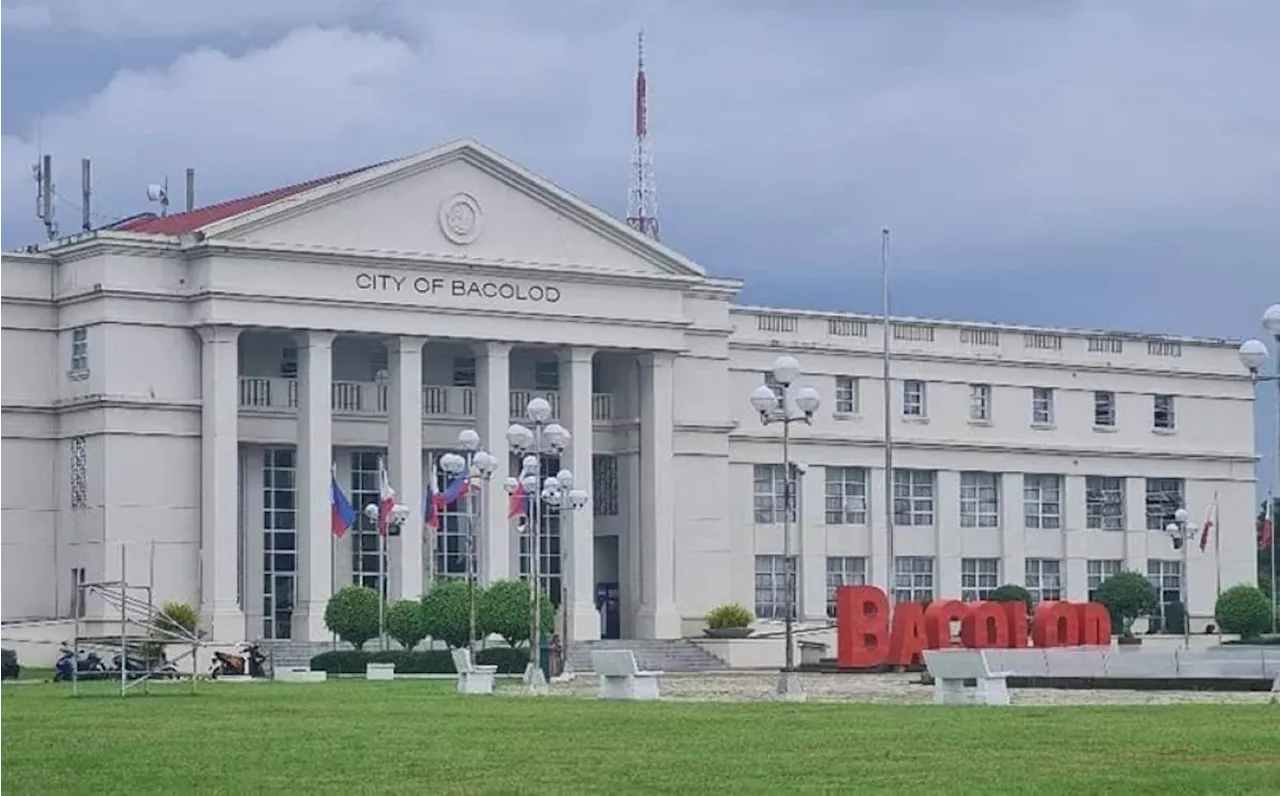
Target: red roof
192, 220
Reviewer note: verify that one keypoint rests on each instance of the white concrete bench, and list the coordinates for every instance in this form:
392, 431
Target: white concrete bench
472, 679
950, 668
1026, 662
621, 677
1061, 662
300, 674
379, 671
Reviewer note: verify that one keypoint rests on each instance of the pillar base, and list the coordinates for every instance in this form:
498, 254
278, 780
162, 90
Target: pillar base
790, 689
308, 623
227, 626
535, 682
660, 622
584, 623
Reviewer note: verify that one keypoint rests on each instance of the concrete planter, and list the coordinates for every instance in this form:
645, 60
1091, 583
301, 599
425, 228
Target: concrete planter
728, 632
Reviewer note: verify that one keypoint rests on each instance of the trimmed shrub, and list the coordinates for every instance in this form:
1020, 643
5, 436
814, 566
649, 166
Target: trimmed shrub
504, 611
406, 622
1011, 593
447, 611
508, 661
1243, 610
352, 614
729, 615
1128, 597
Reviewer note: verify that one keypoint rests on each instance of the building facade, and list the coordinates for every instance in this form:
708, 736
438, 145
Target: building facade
178, 393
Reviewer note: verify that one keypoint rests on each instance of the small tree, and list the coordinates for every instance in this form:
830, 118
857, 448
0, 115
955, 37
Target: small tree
447, 610
406, 622
352, 613
1128, 597
1243, 610
1011, 593
504, 611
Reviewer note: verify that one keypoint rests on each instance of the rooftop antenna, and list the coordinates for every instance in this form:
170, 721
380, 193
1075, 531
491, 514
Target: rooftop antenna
43, 173
160, 194
191, 189
86, 192
642, 194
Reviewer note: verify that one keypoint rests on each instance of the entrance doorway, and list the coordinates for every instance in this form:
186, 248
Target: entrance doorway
609, 604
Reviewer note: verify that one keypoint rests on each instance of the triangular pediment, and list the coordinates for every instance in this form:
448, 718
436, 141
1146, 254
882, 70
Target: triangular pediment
463, 202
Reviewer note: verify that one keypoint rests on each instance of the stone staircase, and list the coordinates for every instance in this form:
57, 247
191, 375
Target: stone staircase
662, 655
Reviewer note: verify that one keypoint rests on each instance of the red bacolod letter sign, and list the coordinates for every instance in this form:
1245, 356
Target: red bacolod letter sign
865, 638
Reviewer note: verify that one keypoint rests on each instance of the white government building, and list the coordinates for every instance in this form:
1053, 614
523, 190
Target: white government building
178, 388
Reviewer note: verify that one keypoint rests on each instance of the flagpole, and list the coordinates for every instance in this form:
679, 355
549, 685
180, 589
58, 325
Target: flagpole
333, 555
1275, 599
1217, 558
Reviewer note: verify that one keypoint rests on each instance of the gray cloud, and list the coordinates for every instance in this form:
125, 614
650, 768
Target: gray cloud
1099, 163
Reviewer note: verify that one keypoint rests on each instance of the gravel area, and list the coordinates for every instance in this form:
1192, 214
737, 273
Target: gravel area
880, 688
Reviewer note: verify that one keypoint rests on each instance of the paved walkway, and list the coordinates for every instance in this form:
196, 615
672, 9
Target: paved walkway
883, 689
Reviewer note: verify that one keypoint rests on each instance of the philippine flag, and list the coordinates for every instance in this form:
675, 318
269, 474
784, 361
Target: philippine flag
454, 491
342, 512
386, 499
518, 506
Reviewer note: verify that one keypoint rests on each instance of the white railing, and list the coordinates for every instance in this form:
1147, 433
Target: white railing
370, 398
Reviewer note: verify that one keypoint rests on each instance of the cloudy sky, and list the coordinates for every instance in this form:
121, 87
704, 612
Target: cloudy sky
1113, 163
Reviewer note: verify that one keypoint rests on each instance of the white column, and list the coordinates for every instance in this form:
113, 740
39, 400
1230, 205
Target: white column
947, 532
404, 463
219, 482
493, 405
575, 385
659, 617
315, 463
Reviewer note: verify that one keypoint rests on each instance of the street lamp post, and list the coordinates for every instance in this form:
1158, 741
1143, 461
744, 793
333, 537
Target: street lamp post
1181, 535
775, 408
1253, 355
478, 466
540, 491
399, 513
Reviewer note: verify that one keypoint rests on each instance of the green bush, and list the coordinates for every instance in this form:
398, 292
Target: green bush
504, 611
177, 618
508, 660
730, 615
352, 614
406, 622
1243, 610
1266, 641
447, 611
1012, 593
1128, 597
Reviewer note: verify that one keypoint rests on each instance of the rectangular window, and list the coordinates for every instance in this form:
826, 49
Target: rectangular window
913, 398
77, 592
980, 402
846, 395
1162, 412
771, 586
79, 473
79, 350
550, 561
279, 541
546, 376
913, 578
365, 570
1041, 406
1104, 408
846, 496
1166, 576
464, 371
913, 492
979, 500
1099, 569
604, 485
1164, 497
1104, 502
778, 390
289, 364
1042, 501
978, 578
843, 571
1044, 579
771, 495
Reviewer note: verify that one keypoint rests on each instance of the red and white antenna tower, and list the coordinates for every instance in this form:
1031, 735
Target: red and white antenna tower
642, 193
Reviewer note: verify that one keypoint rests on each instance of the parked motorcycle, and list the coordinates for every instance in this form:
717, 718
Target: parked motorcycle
138, 666
72, 665
248, 661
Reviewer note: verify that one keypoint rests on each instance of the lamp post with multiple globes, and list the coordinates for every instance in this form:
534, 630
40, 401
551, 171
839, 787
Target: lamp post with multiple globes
1253, 355
399, 513
549, 492
478, 465
776, 408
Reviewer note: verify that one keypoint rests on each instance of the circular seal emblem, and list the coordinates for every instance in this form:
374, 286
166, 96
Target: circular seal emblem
460, 218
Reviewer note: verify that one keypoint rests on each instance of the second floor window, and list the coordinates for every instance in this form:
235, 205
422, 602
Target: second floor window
913, 492
980, 402
1162, 412
79, 350
979, 500
464, 371
770, 495
1104, 409
846, 395
1041, 406
1104, 503
1164, 498
546, 376
913, 398
846, 496
1042, 501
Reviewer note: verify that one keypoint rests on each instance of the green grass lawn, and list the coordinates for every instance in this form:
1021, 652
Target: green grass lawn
419, 737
